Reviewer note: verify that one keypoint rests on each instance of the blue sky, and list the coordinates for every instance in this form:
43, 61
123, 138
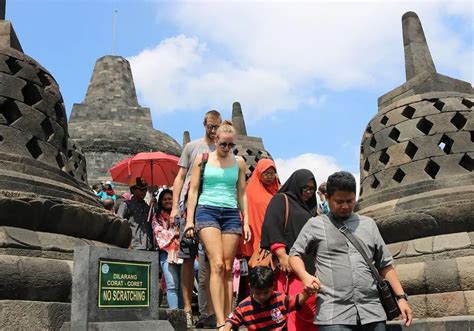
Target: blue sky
307, 74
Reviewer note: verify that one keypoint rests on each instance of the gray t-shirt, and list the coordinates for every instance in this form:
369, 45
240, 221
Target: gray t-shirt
348, 285
190, 151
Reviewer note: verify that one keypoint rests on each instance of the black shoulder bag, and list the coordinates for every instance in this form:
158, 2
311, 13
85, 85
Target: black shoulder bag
387, 297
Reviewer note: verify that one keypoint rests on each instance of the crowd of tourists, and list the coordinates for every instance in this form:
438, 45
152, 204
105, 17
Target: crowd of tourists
263, 255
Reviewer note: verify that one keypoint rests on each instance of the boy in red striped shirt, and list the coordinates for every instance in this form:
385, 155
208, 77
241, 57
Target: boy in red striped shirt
265, 308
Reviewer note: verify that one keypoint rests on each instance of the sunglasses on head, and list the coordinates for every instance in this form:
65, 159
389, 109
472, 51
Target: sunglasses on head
226, 144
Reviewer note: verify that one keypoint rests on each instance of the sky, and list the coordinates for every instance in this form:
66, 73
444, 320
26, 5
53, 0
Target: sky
307, 73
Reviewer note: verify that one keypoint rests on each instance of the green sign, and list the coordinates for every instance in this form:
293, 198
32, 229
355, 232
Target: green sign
124, 284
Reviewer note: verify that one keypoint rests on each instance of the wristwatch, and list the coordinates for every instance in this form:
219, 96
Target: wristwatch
402, 296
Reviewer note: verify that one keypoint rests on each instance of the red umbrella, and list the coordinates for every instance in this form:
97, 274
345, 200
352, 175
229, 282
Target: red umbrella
156, 168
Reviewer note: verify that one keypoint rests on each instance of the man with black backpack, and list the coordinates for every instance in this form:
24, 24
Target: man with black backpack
353, 265
188, 246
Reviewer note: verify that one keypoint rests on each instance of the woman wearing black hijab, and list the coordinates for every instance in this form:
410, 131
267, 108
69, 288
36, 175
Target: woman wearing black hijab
300, 189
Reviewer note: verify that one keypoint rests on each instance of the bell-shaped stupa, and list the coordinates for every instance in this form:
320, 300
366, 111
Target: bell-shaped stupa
110, 125
251, 149
417, 181
46, 208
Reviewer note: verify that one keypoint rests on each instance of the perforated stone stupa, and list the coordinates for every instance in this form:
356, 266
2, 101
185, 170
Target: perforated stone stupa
110, 125
250, 148
417, 181
46, 209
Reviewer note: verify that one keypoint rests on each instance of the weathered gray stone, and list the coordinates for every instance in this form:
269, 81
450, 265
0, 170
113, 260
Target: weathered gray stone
451, 242
446, 304
442, 276
424, 245
35, 279
396, 248
457, 323
469, 297
84, 308
33, 315
412, 277
111, 102
465, 266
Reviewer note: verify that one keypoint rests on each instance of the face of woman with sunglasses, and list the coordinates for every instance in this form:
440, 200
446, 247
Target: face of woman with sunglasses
225, 143
308, 190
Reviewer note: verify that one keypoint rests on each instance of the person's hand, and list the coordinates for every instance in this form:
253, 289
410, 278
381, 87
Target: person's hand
247, 233
311, 284
285, 263
189, 230
405, 309
174, 213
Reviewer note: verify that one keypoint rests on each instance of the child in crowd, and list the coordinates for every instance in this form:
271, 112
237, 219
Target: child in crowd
264, 308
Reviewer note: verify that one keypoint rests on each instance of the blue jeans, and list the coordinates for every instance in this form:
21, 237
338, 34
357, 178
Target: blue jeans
227, 220
376, 326
173, 281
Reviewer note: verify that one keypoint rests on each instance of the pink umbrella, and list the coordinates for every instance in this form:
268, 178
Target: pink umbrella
156, 168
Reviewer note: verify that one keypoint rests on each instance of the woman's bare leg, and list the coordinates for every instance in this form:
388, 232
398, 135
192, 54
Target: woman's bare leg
230, 248
212, 240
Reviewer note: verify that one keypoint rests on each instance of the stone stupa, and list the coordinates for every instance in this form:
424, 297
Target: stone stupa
417, 183
110, 125
46, 208
251, 149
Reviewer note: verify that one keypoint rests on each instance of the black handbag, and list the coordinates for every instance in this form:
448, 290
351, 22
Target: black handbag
387, 296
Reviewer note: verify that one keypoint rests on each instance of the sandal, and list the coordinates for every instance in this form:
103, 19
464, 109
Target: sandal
220, 326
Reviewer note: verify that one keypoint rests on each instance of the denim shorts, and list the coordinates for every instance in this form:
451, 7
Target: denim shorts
225, 219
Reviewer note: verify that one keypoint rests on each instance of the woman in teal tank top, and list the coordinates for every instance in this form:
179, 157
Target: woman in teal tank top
215, 215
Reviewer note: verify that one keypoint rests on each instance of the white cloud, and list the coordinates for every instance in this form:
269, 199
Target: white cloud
181, 74
273, 56
322, 166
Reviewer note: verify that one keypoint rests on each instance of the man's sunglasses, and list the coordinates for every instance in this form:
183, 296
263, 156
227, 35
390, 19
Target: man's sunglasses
211, 127
225, 144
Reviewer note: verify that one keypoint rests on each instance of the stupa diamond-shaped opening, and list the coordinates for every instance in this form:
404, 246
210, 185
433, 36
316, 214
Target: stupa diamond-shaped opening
47, 128
408, 112
373, 142
466, 162
384, 120
432, 169
439, 105
446, 144
44, 78
375, 183
424, 125
394, 134
13, 65
399, 175
31, 94
59, 160
34, 148
59, 112
411, 150
458, 121
468, 103
9, 109
366, 165
384, 157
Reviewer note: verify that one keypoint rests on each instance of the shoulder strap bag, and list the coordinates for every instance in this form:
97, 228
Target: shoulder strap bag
264, 257
387, 296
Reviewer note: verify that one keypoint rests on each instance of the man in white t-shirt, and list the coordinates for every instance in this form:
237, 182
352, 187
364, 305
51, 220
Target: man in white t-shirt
212, 121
